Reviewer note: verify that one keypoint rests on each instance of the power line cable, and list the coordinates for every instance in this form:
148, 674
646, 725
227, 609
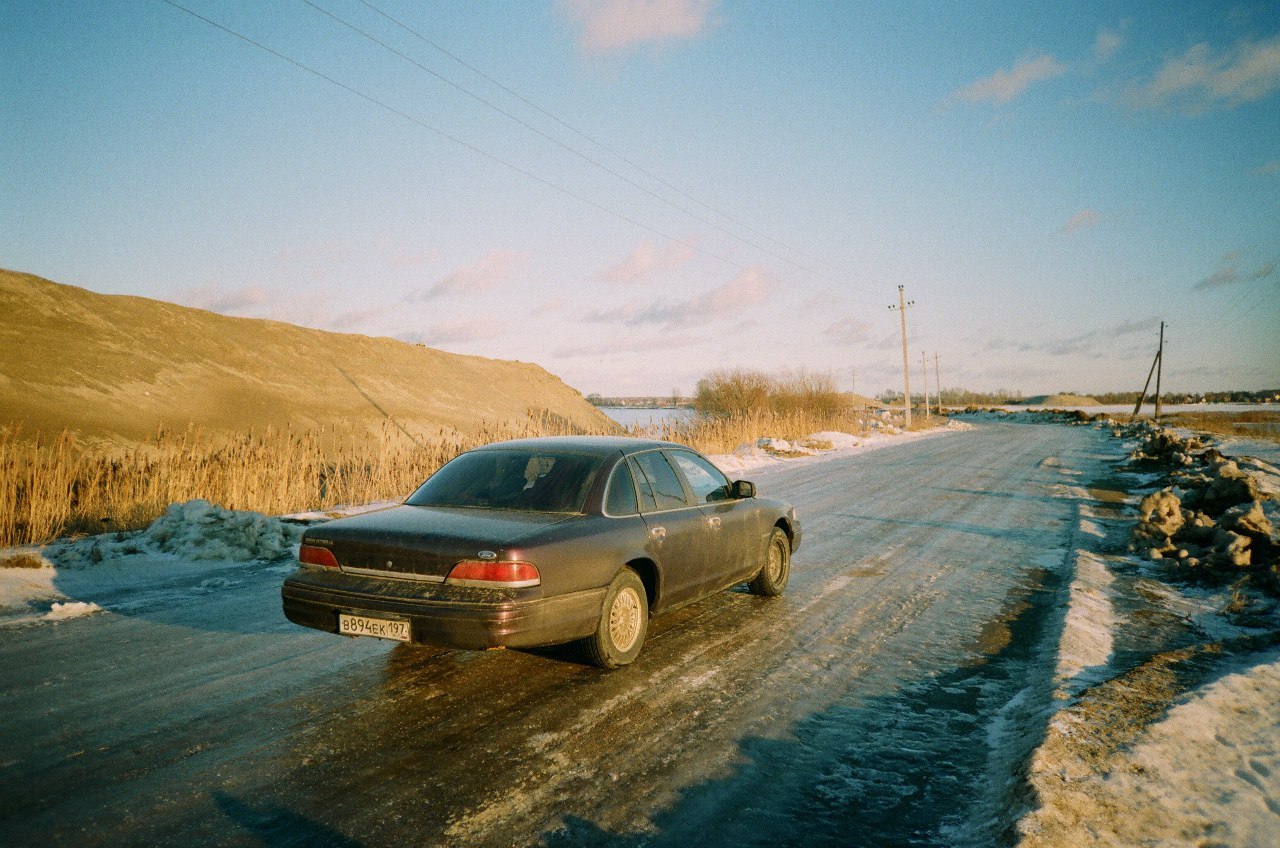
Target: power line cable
473, 148
585, 157
606, 148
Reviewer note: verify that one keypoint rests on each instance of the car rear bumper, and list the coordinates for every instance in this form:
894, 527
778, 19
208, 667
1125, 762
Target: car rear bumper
447, 616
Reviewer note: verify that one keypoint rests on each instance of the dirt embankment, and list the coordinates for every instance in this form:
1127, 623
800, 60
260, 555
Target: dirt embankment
117, 368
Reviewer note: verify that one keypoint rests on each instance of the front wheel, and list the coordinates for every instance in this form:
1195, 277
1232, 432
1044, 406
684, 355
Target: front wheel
624, 621
772, 579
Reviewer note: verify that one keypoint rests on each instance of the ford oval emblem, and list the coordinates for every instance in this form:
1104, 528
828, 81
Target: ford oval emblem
487, 555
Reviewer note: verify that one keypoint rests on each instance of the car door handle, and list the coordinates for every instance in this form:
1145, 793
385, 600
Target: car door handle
714, 521
657, 533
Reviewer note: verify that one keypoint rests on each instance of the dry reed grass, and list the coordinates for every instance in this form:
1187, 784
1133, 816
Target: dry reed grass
725, 434
1259, 424
54, 487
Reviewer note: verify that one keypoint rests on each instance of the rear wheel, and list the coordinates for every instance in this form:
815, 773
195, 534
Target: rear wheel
624, 621
772, 579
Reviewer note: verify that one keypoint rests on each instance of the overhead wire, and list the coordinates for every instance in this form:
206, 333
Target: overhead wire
606, 148
552, 139
468, 145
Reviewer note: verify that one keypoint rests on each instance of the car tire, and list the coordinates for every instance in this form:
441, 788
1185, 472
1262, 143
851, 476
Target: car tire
624, 620
773, 577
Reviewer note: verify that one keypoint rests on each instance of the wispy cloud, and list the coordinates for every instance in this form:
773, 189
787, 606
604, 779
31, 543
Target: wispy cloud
1095, 343
1003, 86
215, 298
1229, 274
1201, 79
750, 288
646, 261
486, 273
458, 331
848, 330
1268, 169
615, 26
1085, 219
1106, 44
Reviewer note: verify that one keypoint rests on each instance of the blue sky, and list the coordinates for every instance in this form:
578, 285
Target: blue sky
678, 185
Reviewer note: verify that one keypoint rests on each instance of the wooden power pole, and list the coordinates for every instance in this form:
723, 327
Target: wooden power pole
924, 367
937, 381
1159, 369
903, 305
1156, 368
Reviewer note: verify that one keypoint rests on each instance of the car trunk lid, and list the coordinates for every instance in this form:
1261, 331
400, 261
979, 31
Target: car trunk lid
423, 543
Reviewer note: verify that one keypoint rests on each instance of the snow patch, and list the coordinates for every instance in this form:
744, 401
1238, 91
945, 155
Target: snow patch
1088, 640
768, 452
71, 609
193, 531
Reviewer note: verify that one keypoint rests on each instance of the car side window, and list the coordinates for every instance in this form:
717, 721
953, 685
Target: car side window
659, 484
707, 482
621, 498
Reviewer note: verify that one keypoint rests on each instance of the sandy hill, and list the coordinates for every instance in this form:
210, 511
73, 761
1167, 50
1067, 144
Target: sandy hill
119, 367
1059, 400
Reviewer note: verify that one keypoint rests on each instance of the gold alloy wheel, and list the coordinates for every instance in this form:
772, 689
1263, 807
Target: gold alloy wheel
774, 566
624, 619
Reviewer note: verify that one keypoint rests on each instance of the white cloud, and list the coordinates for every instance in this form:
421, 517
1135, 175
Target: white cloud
1003, 86
1201, 80
612, 26
227, 302
1106, 44
750, 288
646, 261
488, 272
1268, 169
1083, 220
458, 331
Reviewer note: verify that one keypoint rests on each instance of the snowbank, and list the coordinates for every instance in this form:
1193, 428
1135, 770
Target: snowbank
69, 573
1177, 741
768, 451
194, 531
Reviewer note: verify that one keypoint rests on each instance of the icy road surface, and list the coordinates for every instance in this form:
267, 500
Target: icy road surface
883, 700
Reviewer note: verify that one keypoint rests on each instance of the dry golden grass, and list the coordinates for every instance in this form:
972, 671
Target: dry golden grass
53, 487
1253, 424
56, 487
724, 435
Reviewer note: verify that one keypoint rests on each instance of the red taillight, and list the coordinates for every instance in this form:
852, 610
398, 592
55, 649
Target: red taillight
512, 575
314, 555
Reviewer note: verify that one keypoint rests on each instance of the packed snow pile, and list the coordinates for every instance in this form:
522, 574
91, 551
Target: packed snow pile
767, 451
196, 530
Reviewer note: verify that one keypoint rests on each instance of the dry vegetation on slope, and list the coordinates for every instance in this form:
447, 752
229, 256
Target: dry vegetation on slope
118, 368
113, 407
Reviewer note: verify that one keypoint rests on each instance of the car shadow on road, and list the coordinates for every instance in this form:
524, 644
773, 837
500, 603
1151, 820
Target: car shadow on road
936, 763
276, 826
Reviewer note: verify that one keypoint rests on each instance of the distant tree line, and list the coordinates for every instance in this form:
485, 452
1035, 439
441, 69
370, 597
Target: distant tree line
956, 397
1000, 397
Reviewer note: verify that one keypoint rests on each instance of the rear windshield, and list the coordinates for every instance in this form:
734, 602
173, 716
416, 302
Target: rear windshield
525, 480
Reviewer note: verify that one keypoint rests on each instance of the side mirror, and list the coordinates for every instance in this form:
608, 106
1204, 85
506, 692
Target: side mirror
742, 489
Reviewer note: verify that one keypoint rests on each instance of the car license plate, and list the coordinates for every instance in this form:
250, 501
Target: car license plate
383, 628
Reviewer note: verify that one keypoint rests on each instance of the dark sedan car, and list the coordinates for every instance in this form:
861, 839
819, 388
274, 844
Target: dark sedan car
541, 542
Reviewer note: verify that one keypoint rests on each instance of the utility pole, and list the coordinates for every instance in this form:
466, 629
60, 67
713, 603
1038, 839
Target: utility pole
924, 367
1155, 368
902, 306
937, 381
1159, 368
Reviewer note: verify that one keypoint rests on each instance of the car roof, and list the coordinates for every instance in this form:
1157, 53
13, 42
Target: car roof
588, 445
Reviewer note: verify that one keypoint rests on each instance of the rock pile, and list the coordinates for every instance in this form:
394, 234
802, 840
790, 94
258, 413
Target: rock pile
1211, 519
